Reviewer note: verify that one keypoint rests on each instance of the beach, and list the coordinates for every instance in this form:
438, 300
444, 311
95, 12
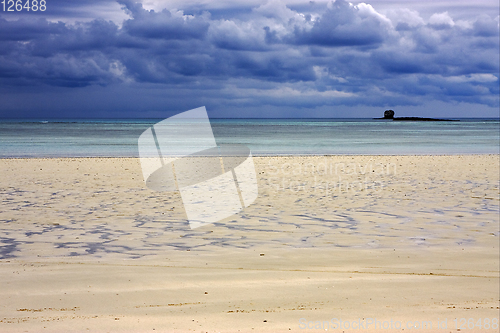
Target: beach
381, 243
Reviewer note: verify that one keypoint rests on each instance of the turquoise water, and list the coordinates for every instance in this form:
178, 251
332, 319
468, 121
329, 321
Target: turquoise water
118, 138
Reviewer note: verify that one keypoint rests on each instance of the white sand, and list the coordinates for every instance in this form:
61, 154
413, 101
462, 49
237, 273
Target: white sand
404, 238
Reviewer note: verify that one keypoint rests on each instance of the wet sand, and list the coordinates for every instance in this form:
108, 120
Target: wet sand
407, 239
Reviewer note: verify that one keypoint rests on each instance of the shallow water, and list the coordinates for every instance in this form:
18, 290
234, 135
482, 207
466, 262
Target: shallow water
118, 138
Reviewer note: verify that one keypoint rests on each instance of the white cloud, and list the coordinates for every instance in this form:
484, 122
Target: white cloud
480, 78
366, 10
441, 19
277, 9
120, 71
285, 92
405, 16
322, 73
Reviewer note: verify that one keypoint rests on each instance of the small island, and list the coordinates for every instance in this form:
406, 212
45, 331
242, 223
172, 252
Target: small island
389, 114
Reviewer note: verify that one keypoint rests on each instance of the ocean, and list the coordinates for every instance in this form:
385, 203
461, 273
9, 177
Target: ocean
36, 138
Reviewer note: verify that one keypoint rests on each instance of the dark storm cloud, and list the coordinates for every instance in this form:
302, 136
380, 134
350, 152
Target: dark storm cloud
304, 55
57, 54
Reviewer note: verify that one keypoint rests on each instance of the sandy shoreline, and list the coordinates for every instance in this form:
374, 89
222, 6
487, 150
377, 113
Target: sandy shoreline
84, 244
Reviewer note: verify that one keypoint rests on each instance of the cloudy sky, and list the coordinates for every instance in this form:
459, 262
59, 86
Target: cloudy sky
257, 58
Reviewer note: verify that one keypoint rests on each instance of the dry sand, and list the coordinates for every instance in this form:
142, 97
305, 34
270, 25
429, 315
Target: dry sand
85, 246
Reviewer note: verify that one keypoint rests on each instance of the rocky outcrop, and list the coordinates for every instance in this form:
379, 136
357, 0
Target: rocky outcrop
389, 114
421, 119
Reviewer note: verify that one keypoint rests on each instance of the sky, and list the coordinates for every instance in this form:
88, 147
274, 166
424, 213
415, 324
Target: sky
251, 59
